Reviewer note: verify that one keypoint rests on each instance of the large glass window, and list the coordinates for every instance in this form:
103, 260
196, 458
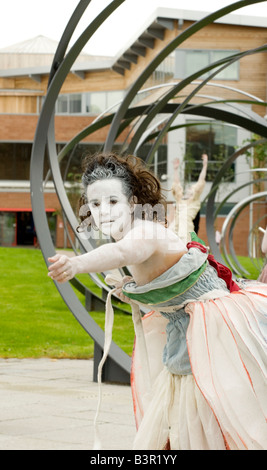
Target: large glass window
113, 98
88, 103
188, 61
8, 229
15, 161
17, 228
62, 104
216, 139
194, 61
75, 103
159, 164
182, 63
97, 102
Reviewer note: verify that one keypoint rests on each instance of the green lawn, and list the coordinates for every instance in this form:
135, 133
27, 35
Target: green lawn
34, 320
250, 267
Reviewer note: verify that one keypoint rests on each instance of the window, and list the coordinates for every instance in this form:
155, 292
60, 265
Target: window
189, 61
75, 103
15, 161
182, 63
97, 103
88, 103
194, 61
17, 228
216, 139
62, 104
7, 228
159, 164
163, 73
114, 97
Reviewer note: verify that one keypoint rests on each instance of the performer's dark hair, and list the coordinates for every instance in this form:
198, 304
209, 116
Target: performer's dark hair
137, 181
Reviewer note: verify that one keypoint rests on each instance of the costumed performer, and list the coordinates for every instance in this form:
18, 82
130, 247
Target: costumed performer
199, 381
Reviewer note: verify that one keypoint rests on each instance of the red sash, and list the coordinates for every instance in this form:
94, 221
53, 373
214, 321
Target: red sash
223, 272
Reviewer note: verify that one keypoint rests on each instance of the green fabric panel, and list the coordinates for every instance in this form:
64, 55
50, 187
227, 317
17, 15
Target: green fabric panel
195, 238
161, 295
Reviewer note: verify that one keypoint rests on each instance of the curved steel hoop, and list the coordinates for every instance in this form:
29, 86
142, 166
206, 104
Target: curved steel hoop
226, 62
230, 223
45, 135
210, 211
191, 30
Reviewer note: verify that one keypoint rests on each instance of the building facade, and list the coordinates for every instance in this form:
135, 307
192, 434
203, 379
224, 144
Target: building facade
95, 85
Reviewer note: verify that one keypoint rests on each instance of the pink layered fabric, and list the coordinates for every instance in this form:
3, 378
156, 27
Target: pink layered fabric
154, 326
263, 275
223, 404
228, 358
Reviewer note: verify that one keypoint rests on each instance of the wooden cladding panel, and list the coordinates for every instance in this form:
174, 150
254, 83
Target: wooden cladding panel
253, 68
21, 128
18, 104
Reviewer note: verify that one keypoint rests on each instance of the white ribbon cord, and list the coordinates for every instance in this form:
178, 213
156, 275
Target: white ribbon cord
109, 320
140, 342
141, 345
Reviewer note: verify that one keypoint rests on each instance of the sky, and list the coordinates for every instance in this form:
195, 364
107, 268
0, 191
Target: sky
21, 20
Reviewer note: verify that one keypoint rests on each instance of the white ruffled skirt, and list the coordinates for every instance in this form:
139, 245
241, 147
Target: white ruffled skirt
223, 404
178, 418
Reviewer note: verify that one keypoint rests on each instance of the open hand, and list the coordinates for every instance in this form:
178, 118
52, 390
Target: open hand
62, 268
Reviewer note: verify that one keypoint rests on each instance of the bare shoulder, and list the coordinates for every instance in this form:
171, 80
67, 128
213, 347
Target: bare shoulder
145, 228
155, 233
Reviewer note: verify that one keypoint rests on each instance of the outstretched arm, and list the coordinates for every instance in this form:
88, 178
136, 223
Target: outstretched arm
129, 251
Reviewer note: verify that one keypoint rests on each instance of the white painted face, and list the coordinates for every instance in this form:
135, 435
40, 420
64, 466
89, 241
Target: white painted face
110, 208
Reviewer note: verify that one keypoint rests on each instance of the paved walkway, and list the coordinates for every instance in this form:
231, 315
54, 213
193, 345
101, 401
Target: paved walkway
50, 405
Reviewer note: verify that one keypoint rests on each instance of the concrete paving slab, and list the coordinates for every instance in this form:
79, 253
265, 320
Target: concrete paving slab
51, 404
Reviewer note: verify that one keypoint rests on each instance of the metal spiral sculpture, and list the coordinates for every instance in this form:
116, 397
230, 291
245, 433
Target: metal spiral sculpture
118, 365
